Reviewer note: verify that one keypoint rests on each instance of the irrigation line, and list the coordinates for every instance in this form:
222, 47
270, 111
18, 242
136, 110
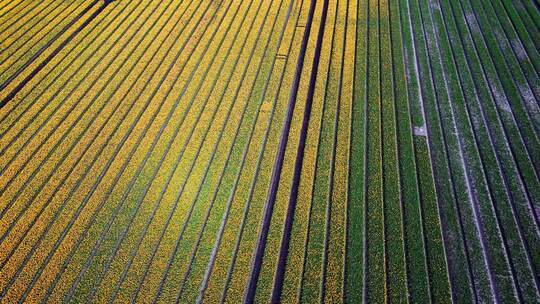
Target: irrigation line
399, 151
367, 126
54, 53
364, 164
81, 206
415, 159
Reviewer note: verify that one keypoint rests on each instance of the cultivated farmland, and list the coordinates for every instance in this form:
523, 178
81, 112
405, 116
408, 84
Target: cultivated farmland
293, 151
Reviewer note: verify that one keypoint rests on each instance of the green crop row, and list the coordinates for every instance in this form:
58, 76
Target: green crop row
471, 107
503, 217
413, 225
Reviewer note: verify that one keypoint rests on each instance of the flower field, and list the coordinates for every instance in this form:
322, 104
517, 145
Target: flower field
293, 151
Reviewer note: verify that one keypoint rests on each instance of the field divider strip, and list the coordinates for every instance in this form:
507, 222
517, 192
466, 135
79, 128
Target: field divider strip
225, 217
236, 136
278, 165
